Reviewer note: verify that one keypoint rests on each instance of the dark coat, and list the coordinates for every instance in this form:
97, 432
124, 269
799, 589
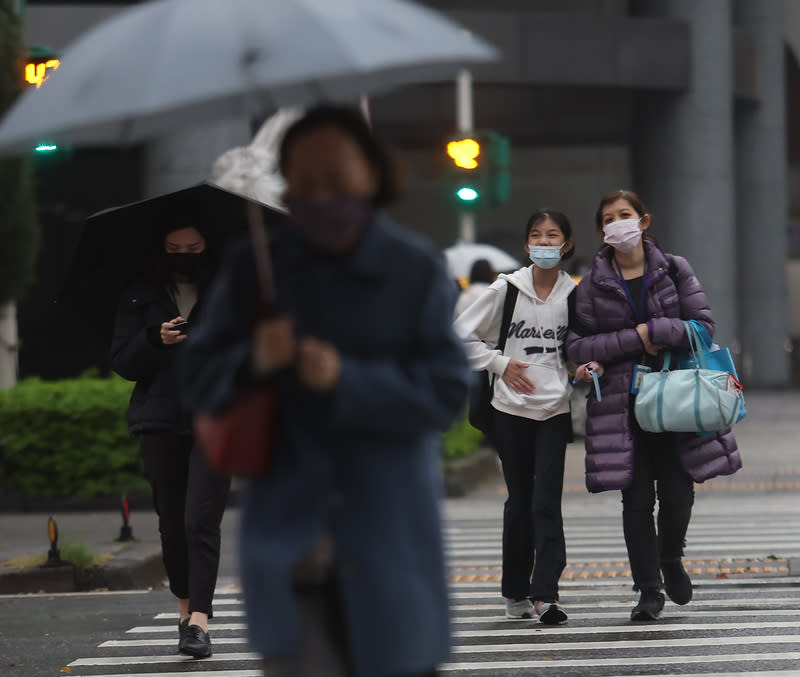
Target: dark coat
362, 462
605, 332
138, 354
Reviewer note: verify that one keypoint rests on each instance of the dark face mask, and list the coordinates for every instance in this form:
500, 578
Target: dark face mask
327, 225
188, 265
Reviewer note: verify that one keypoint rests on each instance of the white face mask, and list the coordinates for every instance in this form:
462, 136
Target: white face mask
623, 235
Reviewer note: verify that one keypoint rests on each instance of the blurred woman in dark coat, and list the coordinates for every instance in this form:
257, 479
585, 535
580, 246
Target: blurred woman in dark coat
341, 551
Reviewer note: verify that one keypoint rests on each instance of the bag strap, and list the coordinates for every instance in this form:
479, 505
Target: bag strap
265, 294
508, 312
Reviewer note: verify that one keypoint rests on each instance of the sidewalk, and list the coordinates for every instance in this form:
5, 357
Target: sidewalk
135, 564
768, 440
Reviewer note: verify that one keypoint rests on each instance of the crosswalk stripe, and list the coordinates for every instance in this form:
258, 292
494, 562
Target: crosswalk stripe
172, 658
705, 582
633, 660
213, 627
212, 673
219, 613
737, 605
626, 627
746, 673
123, 643
617, 645
754, 551
622, 612
617, 537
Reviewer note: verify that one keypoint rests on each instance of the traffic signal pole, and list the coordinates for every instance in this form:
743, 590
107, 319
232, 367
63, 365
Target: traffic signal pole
464, 122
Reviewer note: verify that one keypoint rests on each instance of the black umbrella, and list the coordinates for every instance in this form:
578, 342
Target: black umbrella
122, 244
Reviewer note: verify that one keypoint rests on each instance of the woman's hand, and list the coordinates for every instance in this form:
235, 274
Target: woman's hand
169, 335
274, 344
644, 333
319, 365
583, 373
514, 377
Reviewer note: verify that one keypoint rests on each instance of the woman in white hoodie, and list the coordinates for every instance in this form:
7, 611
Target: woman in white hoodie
531, 399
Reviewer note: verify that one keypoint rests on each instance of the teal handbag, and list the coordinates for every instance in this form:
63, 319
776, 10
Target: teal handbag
695, 400
709, 356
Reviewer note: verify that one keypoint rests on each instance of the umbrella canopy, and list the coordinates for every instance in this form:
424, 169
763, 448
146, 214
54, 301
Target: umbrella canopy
175, 62
119, 245
461, 256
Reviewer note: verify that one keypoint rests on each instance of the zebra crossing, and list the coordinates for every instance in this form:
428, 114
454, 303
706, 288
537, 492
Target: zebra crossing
744, 620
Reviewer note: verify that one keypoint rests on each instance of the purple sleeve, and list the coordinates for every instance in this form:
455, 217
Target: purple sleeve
612, 346
584, 345
670, 332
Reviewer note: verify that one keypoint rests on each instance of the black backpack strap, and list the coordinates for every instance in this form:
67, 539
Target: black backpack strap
571, 307
505, 323
508, 313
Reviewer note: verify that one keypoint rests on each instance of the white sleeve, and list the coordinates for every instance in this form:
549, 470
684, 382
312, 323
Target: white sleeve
479, 327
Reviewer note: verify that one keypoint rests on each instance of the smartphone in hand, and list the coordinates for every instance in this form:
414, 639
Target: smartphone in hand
181, 326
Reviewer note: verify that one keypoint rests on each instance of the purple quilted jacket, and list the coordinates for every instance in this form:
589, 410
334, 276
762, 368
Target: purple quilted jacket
605, 332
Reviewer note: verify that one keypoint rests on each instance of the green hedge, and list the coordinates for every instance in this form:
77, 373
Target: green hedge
62, 439
68, 438
461, 440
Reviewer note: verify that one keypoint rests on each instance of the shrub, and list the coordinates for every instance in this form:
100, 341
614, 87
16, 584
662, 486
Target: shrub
461, 440
68, 438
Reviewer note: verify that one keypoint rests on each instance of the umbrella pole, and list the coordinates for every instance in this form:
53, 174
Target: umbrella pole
261, 252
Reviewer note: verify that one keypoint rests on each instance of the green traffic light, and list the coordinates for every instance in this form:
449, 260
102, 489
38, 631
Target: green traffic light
46, 148
467, 194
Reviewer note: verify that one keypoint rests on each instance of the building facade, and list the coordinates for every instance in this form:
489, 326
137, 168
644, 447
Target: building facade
688, 102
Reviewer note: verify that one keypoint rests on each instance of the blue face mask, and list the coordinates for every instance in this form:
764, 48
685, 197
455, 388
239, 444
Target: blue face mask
545, 257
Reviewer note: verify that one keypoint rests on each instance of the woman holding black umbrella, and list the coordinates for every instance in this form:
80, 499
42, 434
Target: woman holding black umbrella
190, 499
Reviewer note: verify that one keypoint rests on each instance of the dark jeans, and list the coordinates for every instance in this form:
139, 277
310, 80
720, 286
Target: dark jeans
532, 453
657, 471
189, 499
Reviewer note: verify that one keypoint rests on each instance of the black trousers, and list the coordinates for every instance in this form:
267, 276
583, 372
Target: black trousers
189, 499
532, 453
657, 471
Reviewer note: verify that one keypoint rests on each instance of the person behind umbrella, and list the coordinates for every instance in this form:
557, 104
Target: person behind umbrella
629, 312
481, 276
188, 497
531, 402
341, 551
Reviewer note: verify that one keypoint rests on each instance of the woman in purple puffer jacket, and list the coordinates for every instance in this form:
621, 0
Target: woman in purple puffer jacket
629, 310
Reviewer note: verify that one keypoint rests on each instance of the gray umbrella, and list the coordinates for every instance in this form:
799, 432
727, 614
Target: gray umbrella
174, 62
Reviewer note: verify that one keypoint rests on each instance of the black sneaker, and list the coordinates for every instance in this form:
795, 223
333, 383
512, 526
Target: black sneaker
550, 613
649, 607
677, 583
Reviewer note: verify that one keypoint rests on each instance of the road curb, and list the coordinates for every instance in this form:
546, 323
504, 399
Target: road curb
141, 567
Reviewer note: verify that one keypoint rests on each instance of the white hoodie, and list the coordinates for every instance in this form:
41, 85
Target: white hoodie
536, 335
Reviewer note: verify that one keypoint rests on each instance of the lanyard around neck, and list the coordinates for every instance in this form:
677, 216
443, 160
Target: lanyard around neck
639, 312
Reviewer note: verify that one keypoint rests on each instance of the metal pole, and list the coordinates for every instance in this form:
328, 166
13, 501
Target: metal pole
464, 122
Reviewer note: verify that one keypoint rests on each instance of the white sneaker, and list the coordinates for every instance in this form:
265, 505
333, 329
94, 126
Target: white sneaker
521, 608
